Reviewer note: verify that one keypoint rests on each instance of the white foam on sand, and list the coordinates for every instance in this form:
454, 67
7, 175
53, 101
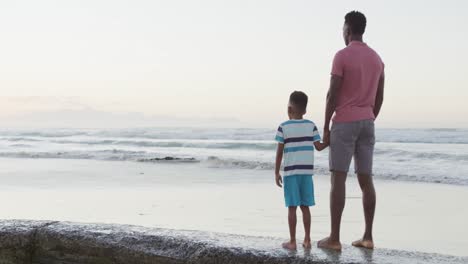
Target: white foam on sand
410, 216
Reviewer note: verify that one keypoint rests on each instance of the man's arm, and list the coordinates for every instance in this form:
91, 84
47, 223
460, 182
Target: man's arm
279, 158
380, 95
335, 86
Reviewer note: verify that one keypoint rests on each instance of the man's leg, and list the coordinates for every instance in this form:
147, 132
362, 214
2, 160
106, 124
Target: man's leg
363, 159
306, 219
292, 221
342, 144
368, 201
337, 203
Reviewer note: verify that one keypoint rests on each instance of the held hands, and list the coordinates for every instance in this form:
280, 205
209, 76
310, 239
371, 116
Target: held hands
279, 180
325, 141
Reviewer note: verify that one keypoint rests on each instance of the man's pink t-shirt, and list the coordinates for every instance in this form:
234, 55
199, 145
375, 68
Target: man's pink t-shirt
361, 68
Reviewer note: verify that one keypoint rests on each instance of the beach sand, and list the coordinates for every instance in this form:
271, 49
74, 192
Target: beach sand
410, 216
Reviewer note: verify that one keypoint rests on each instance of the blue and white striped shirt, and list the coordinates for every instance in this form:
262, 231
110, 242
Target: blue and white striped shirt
298, 137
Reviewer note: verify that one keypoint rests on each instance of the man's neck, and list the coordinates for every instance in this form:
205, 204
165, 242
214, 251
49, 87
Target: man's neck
355, 38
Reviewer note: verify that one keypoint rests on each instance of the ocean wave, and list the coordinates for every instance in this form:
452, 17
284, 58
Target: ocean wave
45, 134
149, 133
216, 162
190, 133
429, 136
107, 155
267, 145
414, 155
21, 146
424, 140
323, 171
229, 163
262, 146
422, 178
16, 139
445, 129
111, 154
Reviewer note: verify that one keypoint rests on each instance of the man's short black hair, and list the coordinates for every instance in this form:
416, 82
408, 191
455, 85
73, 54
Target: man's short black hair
299, 100
356, 22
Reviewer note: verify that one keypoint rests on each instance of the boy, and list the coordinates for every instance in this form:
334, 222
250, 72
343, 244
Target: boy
297, 139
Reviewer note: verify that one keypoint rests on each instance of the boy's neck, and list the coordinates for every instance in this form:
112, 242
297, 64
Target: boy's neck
297, 116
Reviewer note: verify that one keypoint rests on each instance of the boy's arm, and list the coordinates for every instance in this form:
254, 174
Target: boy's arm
320, 145
279, 158
316, 138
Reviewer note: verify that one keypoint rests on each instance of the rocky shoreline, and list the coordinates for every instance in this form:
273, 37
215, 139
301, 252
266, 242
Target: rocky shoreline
41, 242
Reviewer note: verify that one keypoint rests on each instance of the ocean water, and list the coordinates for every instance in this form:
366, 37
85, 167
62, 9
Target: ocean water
223, 180
192, 196
421, 155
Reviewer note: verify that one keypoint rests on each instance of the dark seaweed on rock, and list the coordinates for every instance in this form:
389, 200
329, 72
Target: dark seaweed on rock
168, 158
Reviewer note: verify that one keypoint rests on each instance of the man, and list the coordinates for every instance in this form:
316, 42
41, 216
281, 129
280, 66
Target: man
355, 96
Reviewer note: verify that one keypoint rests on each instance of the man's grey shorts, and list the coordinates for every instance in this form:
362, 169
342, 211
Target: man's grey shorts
352, 139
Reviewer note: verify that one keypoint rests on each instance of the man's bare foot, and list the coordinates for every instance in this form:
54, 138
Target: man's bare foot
327, 244
289, 245
307, 244
369, 244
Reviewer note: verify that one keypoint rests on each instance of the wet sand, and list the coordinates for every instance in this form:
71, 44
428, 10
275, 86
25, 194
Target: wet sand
410, 216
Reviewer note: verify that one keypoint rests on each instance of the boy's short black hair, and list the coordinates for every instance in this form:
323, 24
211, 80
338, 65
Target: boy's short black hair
299, 99
356, 21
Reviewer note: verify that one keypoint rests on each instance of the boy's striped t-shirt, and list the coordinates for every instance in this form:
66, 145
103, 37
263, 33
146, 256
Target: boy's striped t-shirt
298, 137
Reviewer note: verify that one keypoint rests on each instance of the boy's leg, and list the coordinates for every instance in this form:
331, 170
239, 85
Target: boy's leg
292, 221
306, 219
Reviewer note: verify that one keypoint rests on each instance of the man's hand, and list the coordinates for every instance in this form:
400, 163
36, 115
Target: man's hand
279, 180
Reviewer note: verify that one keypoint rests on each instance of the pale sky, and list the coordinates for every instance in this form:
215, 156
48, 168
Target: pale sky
238, 59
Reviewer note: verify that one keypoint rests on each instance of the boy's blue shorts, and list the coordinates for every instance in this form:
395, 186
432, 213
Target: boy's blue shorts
298, 190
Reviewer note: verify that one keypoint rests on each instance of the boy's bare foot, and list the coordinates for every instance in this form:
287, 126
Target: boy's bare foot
327, 244
289, 245
307, 244
369, 244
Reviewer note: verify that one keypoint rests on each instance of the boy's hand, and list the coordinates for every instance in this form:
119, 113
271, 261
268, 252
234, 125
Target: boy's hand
279, 180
